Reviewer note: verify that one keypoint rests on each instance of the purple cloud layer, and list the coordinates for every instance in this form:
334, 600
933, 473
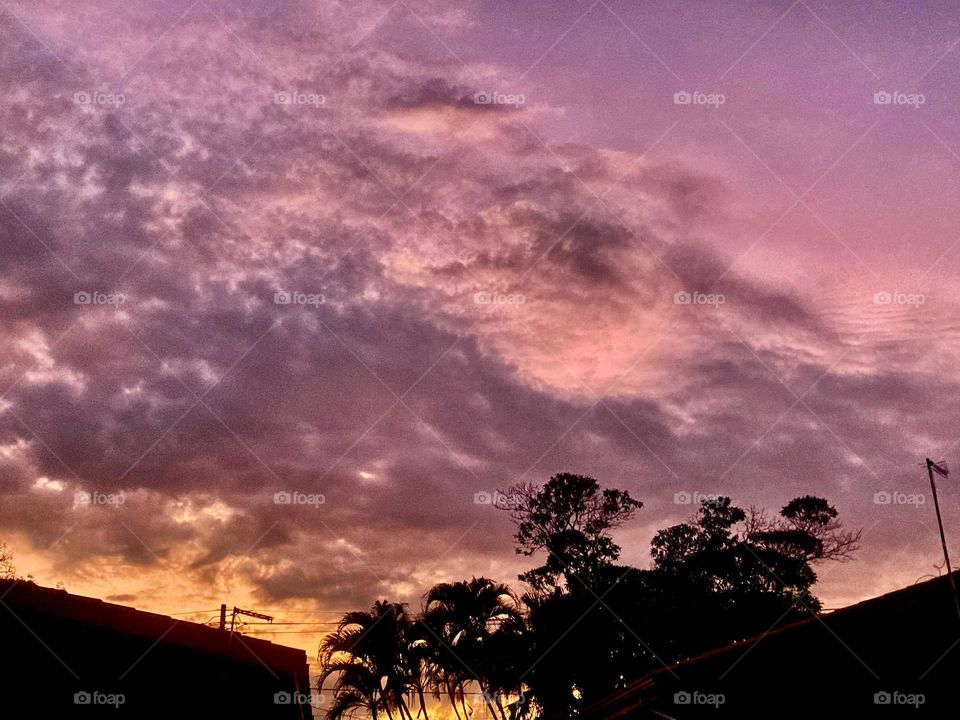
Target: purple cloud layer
479, 294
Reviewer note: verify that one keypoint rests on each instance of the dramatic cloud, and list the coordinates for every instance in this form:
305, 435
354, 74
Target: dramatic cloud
282, 290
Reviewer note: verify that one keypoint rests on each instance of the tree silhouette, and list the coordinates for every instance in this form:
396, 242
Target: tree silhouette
370, 654
725, 550
738, 572
7, 570
589, 626
481, 629
724, 574
816, 518
569, 517
422, 648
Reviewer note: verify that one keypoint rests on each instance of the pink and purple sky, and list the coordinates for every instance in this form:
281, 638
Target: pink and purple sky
486, 285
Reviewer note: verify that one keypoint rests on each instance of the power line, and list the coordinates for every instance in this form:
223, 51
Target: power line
285, 622
309, 612
285, 632
276, 611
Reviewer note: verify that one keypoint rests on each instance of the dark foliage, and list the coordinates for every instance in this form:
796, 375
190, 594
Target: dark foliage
588, 626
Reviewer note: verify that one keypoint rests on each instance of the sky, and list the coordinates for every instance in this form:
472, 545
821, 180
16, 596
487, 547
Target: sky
289, 289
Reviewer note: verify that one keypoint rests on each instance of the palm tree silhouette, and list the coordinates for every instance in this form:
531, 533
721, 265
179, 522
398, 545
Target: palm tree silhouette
481, 634
370, 654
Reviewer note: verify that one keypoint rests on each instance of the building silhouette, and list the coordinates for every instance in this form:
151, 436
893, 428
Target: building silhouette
71, 656
896, 656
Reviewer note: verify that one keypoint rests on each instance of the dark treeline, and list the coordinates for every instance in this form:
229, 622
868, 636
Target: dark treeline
585, 626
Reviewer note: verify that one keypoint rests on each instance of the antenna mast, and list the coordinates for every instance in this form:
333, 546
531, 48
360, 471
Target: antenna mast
941, 470
248, 613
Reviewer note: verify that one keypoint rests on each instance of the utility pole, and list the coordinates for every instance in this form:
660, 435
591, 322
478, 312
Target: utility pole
931, 466
223, 616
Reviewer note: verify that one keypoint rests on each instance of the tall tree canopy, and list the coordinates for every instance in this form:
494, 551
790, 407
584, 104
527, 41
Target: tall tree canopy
570, 518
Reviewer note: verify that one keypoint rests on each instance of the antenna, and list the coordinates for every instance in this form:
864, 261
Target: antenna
941, 469
248, 613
